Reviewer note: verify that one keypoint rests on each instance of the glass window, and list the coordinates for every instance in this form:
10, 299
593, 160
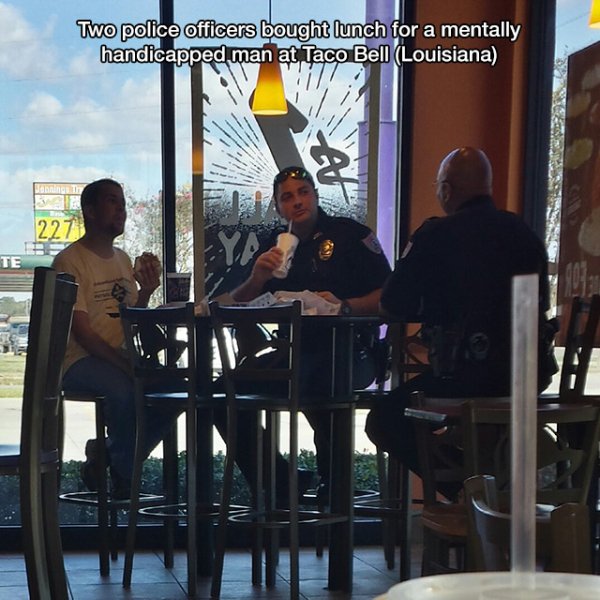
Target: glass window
572, 34
66, 120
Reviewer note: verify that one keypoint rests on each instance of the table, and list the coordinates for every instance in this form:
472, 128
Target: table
342, 476
451, 413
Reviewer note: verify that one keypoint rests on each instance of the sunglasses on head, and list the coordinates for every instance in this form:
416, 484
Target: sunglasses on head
294, 173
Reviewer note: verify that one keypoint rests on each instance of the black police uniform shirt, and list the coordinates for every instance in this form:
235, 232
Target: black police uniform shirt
455, 276
342, 256
345, 258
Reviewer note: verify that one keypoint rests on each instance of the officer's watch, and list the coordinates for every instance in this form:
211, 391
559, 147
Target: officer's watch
345, 308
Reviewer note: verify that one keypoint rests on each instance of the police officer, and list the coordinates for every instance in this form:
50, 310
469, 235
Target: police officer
455, 277
337, 258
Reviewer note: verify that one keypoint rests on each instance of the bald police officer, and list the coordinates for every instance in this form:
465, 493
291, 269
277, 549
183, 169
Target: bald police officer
455, 277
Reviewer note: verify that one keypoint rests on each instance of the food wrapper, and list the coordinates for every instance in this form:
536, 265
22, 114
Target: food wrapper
147, 258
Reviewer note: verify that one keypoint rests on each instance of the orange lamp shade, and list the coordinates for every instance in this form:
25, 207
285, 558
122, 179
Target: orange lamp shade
269, 95
595, 14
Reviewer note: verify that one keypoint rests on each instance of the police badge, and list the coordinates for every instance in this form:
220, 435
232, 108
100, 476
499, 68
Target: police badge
326, 249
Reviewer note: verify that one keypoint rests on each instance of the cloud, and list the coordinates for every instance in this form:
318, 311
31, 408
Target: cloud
24, 51
42, 106
16, 200
120, 117
84, 64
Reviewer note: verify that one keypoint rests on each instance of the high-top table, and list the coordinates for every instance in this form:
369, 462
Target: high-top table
342, 475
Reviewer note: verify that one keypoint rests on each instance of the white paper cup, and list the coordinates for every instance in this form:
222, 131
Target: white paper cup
288, 242
178, 287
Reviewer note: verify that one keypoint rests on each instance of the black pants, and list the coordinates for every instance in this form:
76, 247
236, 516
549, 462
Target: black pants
390, 430
315, 380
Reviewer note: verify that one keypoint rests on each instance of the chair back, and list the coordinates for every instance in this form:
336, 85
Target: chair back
160, 344
562, 541
440, 448
278, 361
161, 347
49, 326
567, 447
579, 342
50, 320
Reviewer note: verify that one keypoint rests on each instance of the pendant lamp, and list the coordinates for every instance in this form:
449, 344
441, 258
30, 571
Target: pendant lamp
595, 14
269, 95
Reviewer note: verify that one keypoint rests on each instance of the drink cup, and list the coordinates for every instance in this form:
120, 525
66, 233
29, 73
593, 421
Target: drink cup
288, 243
498, 586
178, 287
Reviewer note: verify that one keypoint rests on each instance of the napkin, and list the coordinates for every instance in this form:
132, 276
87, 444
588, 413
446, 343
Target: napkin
312, 304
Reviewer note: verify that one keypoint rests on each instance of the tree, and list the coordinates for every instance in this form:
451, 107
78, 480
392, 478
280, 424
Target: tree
144, 231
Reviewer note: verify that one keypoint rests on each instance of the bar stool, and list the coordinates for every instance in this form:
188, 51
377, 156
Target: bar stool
36, 460
99, 499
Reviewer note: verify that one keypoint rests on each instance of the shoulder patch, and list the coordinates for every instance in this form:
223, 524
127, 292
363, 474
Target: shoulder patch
372, 243
406, 250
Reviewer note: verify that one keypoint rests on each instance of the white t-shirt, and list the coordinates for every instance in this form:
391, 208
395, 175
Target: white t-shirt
103, 284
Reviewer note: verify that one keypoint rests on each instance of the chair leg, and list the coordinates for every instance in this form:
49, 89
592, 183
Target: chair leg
54, 551
106, 546
293, 494
271, 536
388, 488
134, 505
258, 502
405, 523
221, 534
32, 522
170, 485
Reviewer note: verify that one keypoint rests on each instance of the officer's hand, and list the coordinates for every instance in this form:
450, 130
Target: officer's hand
329, 297
266, 263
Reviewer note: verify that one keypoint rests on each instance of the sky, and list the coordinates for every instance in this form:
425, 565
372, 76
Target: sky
64, 116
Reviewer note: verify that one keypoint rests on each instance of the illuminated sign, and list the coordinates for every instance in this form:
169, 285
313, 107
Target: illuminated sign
57, 214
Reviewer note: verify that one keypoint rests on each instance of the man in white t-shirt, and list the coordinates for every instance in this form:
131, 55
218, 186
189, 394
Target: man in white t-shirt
95, 361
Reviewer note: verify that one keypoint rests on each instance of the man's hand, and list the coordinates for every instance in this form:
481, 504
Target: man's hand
262, 271
147, 272
265, 264
329, 297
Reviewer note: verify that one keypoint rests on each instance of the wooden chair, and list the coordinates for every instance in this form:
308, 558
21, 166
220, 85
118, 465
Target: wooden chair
579, 342
444, 520
567, 449
161, 345
264, 518
562, 540
37, 460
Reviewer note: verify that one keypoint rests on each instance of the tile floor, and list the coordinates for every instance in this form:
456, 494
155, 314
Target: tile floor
152, 581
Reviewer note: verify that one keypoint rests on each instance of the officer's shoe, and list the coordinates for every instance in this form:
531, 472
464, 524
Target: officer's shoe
306, 480
120, 487
89, 469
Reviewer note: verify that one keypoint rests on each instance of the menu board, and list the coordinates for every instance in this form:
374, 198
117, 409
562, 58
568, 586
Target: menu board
579, 260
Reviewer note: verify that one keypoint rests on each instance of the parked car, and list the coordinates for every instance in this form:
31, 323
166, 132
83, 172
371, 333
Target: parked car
20, 338
4, 333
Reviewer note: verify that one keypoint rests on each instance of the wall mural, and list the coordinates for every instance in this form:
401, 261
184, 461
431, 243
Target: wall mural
579, 263
237, 153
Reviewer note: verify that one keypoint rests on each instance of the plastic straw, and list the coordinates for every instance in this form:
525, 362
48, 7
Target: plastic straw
290, 226
524, 428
